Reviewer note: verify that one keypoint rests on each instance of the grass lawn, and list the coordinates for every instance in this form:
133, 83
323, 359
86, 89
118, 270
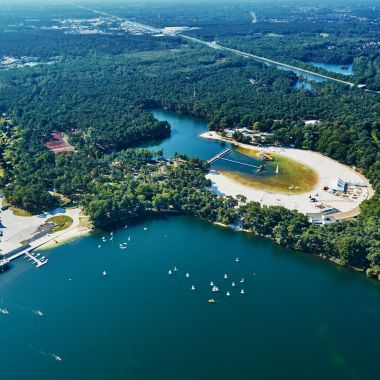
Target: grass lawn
19, 212
63, 222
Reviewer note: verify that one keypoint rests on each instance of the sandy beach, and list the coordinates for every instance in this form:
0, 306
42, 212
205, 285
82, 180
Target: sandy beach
19, 228
326, 168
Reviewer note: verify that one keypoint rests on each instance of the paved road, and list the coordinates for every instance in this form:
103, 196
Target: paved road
220, 47
263, 59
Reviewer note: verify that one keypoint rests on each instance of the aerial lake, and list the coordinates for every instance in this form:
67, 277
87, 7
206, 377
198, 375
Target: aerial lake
300, 317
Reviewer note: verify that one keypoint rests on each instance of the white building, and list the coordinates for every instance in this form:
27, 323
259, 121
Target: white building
338, 185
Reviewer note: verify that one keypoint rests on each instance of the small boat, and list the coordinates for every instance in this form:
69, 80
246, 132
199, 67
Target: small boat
211, 300
111, 238
111, 233
242, 280
126, 226
233, 284
170, 272
277, 170
129, 238
39, 313
211, 283
237, 259
242, 291
145, 229
4, 311
57, 358
175, 269
104, 273
228, 294
187, 275
192, 287
215, 289
99, 246
225, 276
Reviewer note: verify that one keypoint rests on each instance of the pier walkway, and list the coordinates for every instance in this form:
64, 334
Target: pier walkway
242, 163
218, 156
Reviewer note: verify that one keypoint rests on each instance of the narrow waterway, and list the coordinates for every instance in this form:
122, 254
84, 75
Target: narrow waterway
185, 138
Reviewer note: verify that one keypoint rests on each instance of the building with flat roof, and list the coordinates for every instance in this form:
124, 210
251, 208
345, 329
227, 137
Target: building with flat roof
338, 185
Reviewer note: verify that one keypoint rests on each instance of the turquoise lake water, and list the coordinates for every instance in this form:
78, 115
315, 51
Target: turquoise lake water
335, 67
300, 317
185, 131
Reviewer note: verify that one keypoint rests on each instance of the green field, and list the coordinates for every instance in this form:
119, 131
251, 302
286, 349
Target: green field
63, 222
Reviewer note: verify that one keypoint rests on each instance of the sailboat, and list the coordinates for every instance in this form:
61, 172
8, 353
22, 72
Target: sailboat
175, 269
215, 289
192, 287
242, 280
104, 273
225, 276
187, 275
242, 291
233, 284
228, 294
211, 283
170, 272
237, 259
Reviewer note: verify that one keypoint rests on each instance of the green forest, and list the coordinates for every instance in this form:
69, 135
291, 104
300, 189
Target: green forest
99, 92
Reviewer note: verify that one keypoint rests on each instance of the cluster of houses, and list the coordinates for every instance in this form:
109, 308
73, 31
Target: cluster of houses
255, 136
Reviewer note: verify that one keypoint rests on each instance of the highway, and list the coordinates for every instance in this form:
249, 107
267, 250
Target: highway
220, 47
267, 60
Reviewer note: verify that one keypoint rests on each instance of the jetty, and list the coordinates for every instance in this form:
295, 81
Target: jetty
27, 252
218, 156
243, 163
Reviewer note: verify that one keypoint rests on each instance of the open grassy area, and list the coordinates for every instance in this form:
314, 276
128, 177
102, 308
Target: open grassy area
293, 177
16, 211
19, 212
63, 222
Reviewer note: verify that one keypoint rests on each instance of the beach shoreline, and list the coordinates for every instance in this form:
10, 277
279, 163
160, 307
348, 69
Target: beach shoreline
17, 229
327, 170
